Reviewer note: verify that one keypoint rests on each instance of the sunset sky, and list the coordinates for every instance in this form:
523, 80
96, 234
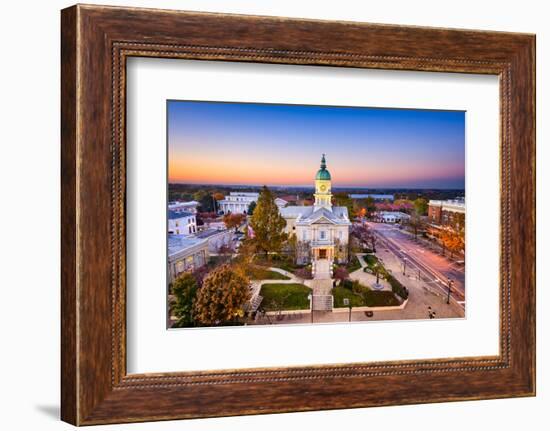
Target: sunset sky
257, 144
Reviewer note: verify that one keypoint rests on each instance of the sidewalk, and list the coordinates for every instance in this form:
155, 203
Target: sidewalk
366, 278
436, 248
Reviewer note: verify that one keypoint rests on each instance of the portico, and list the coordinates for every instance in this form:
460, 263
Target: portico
323, 253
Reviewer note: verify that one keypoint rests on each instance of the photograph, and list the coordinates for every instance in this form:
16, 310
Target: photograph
304, 214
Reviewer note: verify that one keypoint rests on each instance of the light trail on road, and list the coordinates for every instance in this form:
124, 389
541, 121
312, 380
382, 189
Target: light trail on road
404, 251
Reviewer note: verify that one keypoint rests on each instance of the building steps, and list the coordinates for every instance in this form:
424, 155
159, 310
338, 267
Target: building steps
254, 303
322, 302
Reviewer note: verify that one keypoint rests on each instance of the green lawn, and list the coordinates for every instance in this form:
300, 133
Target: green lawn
287, 266
277, 262
280, 296
380, 298
340, 293
259, 273
361, 296
371, 259
353, 264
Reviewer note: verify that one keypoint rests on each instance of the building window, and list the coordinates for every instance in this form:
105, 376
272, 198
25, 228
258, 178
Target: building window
323, 234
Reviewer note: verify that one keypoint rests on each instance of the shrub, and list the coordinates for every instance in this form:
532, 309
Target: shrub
357, 288
397, 287
303, 273
347, 284
341, 273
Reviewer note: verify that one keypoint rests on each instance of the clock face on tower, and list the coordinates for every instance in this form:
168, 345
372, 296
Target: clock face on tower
323, 187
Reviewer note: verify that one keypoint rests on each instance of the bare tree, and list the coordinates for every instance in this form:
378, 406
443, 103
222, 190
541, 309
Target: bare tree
364, 235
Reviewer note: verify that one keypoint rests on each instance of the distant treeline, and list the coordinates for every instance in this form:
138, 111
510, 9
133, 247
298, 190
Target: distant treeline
187, 192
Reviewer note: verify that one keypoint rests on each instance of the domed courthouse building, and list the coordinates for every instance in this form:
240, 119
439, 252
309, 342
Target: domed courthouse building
322, 230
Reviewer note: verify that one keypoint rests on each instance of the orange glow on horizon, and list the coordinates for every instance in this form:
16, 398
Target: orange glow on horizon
258, 172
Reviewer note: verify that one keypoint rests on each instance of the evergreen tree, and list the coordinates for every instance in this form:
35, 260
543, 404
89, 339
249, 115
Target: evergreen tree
184, 289
205, 200
370, 205
268, 224
251, 208
342, 199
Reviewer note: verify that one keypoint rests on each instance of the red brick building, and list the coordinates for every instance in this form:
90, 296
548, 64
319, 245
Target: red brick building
451, 213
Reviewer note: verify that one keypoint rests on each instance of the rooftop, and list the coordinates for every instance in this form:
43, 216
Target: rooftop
457, 204
308, 215
175, 204
249, 194
207, 233
399, 213
173, 215
178, 243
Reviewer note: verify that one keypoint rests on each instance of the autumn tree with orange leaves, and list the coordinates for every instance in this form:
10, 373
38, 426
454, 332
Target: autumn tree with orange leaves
233, 221
222, 297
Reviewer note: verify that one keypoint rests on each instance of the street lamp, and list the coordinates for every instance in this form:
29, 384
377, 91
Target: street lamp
310, 297
449, 288
347, 303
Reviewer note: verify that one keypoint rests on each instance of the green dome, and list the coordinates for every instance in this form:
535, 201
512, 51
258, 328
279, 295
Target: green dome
323, 174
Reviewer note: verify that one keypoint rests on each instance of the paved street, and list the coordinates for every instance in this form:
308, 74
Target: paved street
421, 260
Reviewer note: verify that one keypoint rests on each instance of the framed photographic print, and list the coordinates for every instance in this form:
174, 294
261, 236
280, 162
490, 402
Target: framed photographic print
331, 214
